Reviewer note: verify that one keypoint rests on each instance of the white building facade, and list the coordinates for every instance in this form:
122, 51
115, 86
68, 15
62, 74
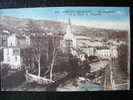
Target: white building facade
14, 40
12, 57
12, 53
69, 40
87, 46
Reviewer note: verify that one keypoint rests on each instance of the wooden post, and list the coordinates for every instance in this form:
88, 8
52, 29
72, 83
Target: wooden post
52, 64
39, 66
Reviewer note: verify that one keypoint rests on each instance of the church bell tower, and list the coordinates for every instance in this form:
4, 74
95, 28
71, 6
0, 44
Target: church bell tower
69, 38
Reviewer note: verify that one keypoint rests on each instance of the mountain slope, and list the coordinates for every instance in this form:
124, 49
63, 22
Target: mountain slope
20, 25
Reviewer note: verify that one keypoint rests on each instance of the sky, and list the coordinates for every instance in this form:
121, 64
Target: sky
99, 17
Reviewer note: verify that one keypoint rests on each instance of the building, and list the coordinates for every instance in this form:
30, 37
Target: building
114, 51
96, 48
1, 54
103, 52
69, 40
90, 51
83, 41
87, 45
12, 57
3, 38
12, 53
18, 40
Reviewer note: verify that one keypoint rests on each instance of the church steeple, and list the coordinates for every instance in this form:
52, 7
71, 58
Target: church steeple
69, 38
69, 35
69, 21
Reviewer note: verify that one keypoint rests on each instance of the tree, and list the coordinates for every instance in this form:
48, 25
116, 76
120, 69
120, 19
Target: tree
123, 58
37, 42
52, 55
33, 27
52, 63
37, 53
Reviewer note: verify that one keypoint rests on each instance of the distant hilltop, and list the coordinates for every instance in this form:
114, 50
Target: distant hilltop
27, 26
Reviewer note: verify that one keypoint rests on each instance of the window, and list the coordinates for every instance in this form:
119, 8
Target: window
16, 51
7, 51
16, 58
69, 43
8, 59
11, 44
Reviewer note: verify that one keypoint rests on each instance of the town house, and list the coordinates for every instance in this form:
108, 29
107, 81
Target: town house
12, 53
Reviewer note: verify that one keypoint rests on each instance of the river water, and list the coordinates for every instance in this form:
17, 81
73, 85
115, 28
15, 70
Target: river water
17, 82
79, 85
88, 86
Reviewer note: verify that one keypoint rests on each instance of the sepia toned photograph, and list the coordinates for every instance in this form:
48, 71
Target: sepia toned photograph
65, 49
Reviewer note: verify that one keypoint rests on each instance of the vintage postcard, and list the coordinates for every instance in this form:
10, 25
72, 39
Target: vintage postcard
65, 49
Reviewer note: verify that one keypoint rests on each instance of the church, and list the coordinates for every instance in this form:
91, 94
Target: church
69, 40
72, 43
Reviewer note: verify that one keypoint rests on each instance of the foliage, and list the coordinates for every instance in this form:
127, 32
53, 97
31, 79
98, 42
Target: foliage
123, 58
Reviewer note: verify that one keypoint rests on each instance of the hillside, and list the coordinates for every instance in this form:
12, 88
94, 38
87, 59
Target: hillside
20, 25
